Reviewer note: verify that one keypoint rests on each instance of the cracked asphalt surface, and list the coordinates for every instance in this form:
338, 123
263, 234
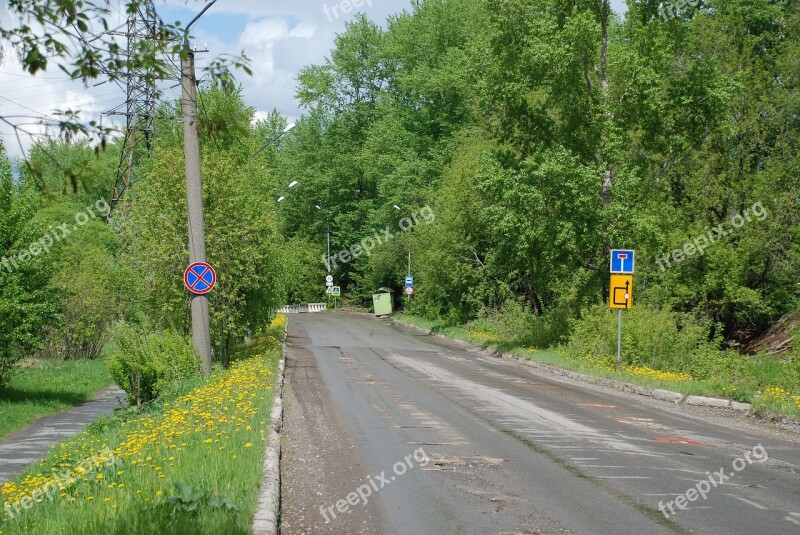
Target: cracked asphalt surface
507, 450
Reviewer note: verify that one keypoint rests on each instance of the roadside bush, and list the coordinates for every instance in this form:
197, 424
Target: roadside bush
658, 339
146, 365
515, 324
512, 324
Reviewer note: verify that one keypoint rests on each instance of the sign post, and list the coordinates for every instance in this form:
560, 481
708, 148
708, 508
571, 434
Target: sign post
621, 290
619, 340
409, 281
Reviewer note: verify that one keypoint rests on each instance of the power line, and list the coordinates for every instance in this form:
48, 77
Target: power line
37, 77
140, 102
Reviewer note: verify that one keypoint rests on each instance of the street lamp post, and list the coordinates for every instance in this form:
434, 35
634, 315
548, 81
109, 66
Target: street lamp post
408, 297
328, 264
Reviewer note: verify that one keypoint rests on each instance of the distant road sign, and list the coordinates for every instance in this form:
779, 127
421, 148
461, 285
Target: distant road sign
622, 261
336, 291
409, 281
329, 278
621, 295
329, 290
200, 278
409, 290
329, 284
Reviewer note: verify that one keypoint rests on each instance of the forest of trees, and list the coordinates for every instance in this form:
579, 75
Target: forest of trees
540, 133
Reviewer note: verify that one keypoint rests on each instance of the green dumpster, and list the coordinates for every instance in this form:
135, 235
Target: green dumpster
383, 301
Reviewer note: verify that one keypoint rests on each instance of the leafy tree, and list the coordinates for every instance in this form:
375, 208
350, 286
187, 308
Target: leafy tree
98, 290
27, 303
241, 230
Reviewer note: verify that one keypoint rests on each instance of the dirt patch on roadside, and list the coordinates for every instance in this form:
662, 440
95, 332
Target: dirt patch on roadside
778, 339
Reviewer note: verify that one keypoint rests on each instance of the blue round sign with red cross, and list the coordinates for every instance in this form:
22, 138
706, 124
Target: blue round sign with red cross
200, 278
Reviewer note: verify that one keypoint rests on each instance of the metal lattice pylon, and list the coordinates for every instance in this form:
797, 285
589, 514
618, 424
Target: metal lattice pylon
140, 105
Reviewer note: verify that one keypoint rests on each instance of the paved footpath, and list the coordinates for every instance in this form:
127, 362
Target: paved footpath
23, 447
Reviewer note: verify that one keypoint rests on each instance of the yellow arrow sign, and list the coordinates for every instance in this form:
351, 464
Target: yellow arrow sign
621, 295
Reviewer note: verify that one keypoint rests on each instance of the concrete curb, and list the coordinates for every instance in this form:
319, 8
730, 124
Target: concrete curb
265, 521
655, 393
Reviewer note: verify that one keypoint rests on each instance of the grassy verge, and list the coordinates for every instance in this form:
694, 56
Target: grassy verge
751, 385
191, 463
46, 386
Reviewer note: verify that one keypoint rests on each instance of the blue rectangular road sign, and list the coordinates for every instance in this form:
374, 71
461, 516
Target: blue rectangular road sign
409, 281
622, 261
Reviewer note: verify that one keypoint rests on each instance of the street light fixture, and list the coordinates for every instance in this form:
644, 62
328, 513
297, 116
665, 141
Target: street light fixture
292, 184
286, 130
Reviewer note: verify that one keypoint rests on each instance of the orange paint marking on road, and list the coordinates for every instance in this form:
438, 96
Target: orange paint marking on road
677, 440
599, 406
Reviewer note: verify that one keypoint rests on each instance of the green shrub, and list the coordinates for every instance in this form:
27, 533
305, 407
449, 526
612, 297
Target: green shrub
146, 365
659, 339
515, 324
512, 324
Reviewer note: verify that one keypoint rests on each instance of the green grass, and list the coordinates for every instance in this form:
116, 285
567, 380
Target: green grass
748, 384
43, 387
190, 463
421, 322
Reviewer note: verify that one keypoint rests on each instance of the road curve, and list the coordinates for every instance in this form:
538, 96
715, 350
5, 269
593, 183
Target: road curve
389, 431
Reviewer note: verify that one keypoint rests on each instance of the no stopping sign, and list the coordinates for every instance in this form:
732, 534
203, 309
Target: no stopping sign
200, 278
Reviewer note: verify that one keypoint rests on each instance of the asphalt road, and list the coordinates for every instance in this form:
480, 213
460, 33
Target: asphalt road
423, 437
